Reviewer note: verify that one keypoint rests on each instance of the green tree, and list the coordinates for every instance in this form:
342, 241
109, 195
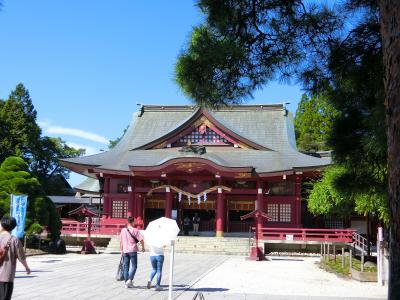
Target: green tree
44, 163
313, 123
21, 136
244, 44
16, 179
327, 198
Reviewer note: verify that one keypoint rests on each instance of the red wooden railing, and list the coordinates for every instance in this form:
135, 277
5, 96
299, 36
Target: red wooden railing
307, 234
74, 227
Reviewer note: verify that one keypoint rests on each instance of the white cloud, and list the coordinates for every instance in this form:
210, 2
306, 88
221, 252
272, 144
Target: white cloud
52, 129
43, 124
89, 150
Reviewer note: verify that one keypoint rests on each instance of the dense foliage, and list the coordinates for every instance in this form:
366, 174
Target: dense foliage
16, 179
313, 123
244, 44
326, 198
20, 135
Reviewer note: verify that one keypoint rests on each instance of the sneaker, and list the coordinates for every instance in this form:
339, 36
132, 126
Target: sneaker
129, 284
158, 288
148, 284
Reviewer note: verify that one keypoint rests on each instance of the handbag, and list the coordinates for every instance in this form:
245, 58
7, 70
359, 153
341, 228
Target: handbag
120, 271
3, 251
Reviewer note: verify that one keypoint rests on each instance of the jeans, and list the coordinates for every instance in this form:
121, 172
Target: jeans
6, 289
156, 263
130, 273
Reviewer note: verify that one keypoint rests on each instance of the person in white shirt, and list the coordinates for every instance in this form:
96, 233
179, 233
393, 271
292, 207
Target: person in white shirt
157, 261
196, 223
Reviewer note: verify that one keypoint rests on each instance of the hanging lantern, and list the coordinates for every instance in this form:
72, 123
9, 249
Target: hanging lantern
198, 199
188, 197
205, 196
179, 196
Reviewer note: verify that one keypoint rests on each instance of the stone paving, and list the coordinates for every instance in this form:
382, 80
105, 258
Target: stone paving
78, 277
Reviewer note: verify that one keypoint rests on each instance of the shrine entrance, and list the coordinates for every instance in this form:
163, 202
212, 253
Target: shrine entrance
204, 209
207, 218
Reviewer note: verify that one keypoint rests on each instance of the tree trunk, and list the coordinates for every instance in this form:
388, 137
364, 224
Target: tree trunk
390, 30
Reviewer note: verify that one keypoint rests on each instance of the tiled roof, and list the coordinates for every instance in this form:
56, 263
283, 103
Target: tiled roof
270, 126
89, 185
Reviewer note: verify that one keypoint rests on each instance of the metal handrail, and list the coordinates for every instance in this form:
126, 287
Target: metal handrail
360, 241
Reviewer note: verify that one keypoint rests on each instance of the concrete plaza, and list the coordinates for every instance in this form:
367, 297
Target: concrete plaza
78, 277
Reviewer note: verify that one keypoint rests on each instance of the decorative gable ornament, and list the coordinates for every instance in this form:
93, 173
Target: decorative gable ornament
193, 148
203, 135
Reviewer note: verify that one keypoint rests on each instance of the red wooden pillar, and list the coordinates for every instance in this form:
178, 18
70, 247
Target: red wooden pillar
221, 212
107, 199
297, 202
131, 199
139, 210
168, 202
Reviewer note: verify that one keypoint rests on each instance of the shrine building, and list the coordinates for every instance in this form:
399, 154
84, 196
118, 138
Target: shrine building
174, 161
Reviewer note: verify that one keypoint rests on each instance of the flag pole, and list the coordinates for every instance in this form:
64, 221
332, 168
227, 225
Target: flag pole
171, 270
11, 203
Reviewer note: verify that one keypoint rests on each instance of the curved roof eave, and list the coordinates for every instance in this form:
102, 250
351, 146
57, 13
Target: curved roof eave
170, 161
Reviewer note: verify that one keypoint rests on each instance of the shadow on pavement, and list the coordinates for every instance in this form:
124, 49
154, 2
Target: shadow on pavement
176, 287
205, 289
35, 271
287, 259
50, 261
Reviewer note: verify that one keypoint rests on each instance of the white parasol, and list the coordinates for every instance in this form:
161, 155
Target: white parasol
159, 233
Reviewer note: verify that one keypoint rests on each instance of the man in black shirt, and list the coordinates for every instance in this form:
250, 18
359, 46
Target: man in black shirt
196, 222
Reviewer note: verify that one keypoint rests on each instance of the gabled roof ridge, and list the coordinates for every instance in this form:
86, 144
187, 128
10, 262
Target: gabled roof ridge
227, 108
169, 108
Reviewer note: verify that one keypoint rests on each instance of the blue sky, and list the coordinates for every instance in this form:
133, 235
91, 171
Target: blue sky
87, 63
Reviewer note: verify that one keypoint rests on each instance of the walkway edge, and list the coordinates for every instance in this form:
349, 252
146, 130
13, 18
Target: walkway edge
200, 278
